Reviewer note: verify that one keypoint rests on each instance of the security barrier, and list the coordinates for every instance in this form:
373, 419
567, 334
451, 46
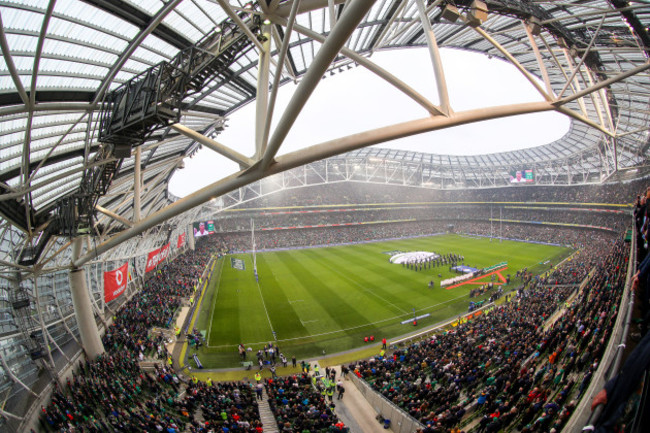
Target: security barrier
400, 421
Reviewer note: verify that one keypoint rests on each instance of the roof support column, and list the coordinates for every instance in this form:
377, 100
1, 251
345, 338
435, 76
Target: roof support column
540, 60
332, 10
262, 100
347, 24
438, 69
284, 48
83, 308
190, 240
561, 68
582, 59
137, 184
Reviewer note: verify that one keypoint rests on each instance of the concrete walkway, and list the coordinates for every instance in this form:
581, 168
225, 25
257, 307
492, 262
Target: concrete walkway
175, 347
266, 415
355, 411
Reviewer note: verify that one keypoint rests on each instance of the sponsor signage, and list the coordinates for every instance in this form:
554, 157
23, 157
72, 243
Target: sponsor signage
181, 241
237, 264
115, 282
156, 256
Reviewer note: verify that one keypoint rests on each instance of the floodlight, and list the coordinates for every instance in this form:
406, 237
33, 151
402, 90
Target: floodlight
534, 25
478, 13
450, 13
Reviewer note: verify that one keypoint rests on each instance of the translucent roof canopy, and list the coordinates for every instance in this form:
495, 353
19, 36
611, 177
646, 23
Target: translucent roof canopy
60, 60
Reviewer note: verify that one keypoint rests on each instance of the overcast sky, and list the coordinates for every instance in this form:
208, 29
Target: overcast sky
357, 100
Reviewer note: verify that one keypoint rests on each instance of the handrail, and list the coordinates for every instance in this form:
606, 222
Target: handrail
645, 394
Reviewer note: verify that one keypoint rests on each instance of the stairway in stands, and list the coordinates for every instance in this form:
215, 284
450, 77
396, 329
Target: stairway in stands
267, 417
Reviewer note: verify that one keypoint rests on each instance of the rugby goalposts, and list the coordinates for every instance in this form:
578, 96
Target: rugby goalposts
253, 247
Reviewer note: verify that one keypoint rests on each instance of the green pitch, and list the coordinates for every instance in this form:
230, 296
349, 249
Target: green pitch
325, 300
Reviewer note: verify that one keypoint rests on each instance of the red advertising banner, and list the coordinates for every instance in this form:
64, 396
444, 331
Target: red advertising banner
115, 282
181, 241
156, 256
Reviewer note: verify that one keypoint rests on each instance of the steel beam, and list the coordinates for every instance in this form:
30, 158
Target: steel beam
53, 107
530, 77
283, 10
241, 24
46, 336
135, 43
379, 39
278, 73
88, 330
11, 66
540, 60
137, 184
332, 12
374, 68
436, 60
354, 13
582, 59
229, 153
289, 65
262, 99
581, 102
602, 84
13, 377
115, 216
349, 21
10, 415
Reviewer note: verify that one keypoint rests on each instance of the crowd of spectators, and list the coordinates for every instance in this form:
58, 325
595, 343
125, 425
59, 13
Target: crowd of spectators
506, 356
360, 192
156, 304
267, 240
613, 398
576, 238
300, 408
224, 407
113, 394
264, 220
233, 242
511, 367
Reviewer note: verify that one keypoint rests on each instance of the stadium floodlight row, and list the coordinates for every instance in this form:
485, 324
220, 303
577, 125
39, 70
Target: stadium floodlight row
64, 61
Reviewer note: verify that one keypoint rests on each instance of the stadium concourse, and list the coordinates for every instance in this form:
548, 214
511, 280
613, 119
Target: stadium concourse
519, 366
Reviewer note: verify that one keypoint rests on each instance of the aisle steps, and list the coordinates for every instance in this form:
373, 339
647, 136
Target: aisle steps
267, 417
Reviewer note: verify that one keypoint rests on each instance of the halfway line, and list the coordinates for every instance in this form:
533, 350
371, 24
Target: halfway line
364, 288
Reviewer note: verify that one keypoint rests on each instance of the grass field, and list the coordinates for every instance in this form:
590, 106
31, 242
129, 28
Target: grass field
325, 300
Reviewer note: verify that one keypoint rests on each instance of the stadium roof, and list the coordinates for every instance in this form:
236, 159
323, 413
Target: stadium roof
64, 64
